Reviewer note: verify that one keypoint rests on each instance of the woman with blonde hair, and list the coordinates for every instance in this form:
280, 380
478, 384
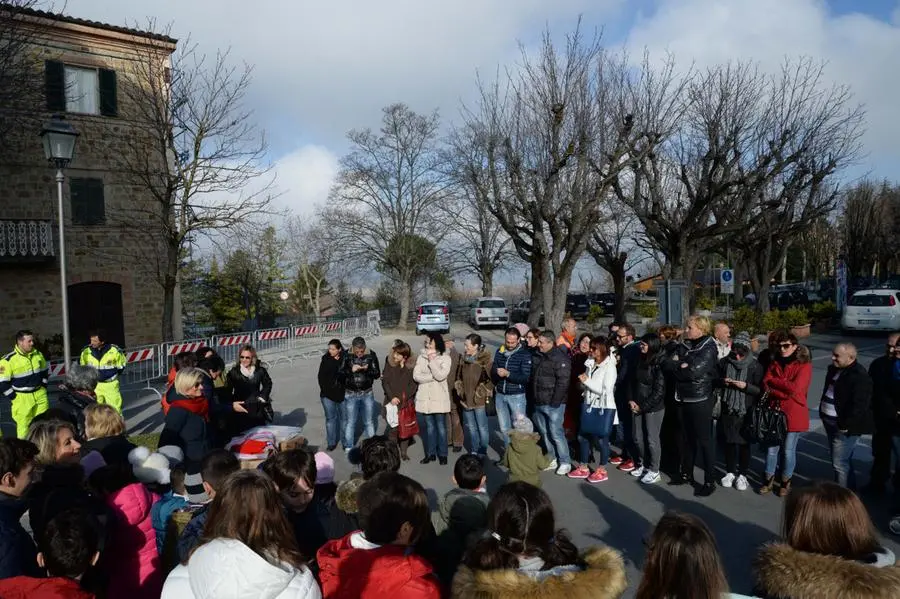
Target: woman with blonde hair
56, 440
104, 431
247, 548
694, 368
830, 550
249, 382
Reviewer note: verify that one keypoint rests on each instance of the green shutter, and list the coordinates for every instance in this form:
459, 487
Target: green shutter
97, 204
88, 202
109, 104
55, 85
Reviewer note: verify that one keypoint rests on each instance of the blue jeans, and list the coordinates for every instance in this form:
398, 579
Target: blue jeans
841, 447
357, 402
476, 424
788, 451
435, 434
508, 408
549, 421
334, 412
585, 441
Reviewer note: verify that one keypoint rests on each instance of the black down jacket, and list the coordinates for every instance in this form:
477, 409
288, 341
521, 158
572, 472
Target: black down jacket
361, 380
650, 385
550, 377
696, 367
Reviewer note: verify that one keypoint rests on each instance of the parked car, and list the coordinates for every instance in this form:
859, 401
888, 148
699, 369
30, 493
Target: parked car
872, 310
433, 316
784, 299
489, 311
578, 305
607, 301
519, 312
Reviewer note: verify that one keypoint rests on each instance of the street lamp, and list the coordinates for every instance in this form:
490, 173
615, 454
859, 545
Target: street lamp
59, 148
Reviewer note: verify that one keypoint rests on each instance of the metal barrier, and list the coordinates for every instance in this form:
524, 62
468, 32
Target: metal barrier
228, 346
145, 363
173, 348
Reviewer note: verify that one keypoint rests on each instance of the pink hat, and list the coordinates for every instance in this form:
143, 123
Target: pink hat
522, 328
324, 468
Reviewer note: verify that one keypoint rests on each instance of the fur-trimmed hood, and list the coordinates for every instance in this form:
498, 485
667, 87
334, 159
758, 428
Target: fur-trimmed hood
786, 573
604, 578
345, 496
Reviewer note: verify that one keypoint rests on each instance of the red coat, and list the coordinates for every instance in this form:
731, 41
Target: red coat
25, 587
390, 571
789, 384
132, 558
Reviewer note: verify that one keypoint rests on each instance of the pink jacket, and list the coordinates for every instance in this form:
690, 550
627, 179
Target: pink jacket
134, 564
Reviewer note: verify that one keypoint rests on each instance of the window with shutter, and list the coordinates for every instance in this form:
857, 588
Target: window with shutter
80, 90
55, 84
109, 105
88, 203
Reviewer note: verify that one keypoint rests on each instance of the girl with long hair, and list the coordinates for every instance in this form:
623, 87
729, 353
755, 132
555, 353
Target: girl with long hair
474, 388
648, 406
399, 388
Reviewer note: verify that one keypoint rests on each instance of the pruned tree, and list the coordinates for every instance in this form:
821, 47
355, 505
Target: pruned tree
311, 257
544, 144
868, 226
196, 149
818, 247
21, 72
386, 199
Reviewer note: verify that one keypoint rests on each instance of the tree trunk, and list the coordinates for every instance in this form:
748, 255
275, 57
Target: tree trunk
739, 276
683, 265
555, 292
487, 283
536, 294
405, 293
618, 279
170, 281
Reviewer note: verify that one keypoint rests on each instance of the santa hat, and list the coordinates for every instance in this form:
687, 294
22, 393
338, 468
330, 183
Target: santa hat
149, 468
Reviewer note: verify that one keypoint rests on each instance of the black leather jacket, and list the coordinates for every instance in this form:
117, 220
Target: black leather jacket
361, 380
650, 385
696, 367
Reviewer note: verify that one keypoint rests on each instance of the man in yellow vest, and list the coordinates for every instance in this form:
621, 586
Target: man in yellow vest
109, 361
23, 379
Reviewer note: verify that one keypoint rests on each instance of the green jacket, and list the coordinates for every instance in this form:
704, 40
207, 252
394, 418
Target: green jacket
460, 520
524, 458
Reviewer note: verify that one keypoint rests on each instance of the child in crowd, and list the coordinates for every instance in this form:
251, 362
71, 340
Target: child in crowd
104, 429
376, 561
69, 547
294, 473
216, 465
175, 499
326, 488
461, 515
524, 457
17, 550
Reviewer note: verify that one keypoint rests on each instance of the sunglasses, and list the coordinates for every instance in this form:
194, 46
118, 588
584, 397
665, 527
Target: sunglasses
785, 345
246, 357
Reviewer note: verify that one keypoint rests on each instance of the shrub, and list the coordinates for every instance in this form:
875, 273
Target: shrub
705, 302
595, 313
647, 310
823, 310
772, 320
794, 317
746, 318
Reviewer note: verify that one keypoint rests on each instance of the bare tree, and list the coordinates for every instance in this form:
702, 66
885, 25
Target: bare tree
819, 250
311, 257
384, 207
21, 71
867, 226
543, 146
198, 153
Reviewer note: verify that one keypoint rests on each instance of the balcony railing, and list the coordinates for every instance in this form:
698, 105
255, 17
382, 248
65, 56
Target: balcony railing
26, 241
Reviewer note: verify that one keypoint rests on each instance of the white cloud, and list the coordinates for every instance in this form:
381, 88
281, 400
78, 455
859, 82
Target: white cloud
860, 51
304, 178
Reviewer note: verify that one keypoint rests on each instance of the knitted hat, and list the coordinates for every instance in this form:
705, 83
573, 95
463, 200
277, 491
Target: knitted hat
741, 339
173, 453
523, 425
324, 468
149, 467
91, 462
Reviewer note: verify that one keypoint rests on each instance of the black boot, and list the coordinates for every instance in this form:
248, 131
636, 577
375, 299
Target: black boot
442, 460
427, 459
705, 490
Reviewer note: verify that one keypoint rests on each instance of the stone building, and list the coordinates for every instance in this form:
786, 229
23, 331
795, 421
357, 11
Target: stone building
82, 69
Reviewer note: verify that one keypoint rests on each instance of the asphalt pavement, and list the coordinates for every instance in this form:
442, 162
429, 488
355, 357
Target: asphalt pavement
619, 512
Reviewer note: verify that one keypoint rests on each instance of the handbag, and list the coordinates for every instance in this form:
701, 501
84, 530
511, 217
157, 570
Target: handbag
408, 425
766, 423
595, 421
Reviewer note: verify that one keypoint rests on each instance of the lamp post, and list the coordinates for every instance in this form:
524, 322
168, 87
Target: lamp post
59, 148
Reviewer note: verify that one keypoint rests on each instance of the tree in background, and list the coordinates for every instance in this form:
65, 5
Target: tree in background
311, 257
869, 226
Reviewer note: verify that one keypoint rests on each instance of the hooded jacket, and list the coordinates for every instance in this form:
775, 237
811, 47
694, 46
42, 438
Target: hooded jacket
602, 578
354, 568
132, 560
228, 569
361, 380
524, 458
784, 573
331, 383
788, 383
433, 396
17, 550
551, 377
695, 369
518, 362
473, 380
25, 587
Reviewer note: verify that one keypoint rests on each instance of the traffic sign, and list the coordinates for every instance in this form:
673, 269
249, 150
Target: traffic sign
726, 281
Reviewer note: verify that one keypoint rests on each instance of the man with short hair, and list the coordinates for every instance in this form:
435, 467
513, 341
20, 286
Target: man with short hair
566, 338
630, 354
110, 362
17, 550
510, 373
886, 413
722, 337
214, 469
23, 380
552, 373
846, 410
359, 371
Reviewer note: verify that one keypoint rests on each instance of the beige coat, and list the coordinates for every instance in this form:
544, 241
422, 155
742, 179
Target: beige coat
433, 396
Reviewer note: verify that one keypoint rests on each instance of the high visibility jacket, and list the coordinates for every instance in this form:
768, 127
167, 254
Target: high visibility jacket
108, 360
23, 373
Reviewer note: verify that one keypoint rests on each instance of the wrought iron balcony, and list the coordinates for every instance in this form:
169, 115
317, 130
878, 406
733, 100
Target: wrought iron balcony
26, 241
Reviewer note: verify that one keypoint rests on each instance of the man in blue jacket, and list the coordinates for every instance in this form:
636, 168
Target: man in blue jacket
17, 551
510, 372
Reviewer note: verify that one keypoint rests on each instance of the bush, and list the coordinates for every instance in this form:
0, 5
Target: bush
705, 302
647, 310
794, 317
745, 318
772, 320
595, 313
823, 310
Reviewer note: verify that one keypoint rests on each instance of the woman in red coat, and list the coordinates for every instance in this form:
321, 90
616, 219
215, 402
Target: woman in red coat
787, 382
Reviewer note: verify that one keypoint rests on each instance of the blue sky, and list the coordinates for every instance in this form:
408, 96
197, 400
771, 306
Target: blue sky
323, 68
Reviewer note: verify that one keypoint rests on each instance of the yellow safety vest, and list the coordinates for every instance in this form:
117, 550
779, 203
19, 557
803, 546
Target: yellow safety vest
23, 373
108, 360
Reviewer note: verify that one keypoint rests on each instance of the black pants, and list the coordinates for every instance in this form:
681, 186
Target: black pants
881, 459
697, 430
671, 439
737, 458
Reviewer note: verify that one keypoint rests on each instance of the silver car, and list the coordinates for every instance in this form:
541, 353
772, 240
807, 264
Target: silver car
487, 312
433, 316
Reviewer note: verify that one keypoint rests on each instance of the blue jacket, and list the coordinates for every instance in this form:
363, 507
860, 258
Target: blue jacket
160, 513
17, 550
518, 362
190, 538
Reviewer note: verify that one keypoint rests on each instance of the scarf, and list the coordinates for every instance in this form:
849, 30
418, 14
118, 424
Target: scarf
248, 372
194, 405
734, 399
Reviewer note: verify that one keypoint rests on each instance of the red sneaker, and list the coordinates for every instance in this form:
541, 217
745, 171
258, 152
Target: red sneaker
598, 476
627, 466
616, 460
580, 472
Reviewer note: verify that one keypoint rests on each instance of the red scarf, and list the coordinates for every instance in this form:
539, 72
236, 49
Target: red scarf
195, 405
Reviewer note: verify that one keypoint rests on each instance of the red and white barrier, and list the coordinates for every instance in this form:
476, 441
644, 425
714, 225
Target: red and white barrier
274, 334
333, 326
310, 329
57, 369
227, 340
140, 355
173, 349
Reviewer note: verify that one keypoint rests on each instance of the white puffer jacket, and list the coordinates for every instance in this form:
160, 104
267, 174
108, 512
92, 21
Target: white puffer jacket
228, 569
433, 396
600, 386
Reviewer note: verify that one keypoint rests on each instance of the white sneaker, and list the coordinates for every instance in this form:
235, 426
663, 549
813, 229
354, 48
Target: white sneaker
728, 480
564, 469
741, 483
650, 477
895, 525
638, 472
552, 466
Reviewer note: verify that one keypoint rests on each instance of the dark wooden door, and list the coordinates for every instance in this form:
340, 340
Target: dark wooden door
96, 305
